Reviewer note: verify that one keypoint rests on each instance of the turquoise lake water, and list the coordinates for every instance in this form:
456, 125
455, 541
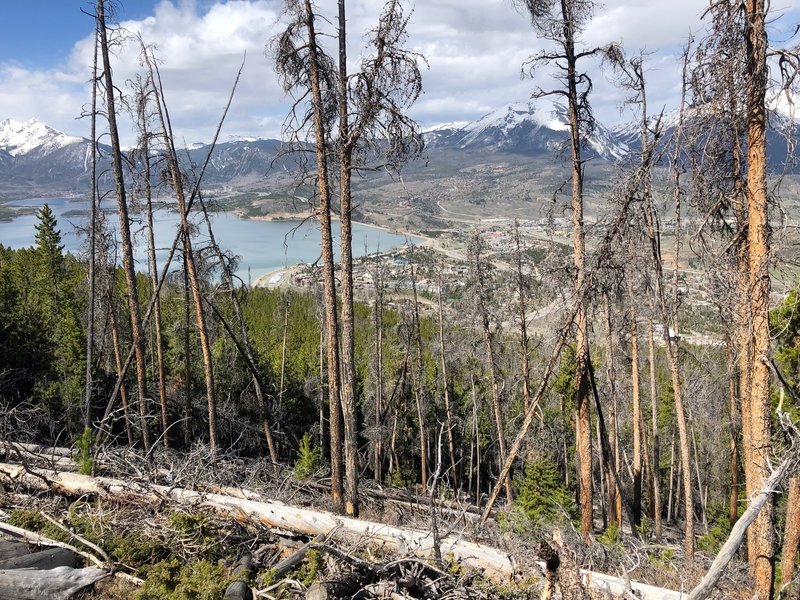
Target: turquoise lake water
262, 246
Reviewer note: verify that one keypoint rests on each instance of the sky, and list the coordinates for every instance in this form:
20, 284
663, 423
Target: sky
474, 49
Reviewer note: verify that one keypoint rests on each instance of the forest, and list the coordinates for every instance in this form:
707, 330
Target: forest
628, 405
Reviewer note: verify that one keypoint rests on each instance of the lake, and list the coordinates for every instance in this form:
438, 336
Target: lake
262, 246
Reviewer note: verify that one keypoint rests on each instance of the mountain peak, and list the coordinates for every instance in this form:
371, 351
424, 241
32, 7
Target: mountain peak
526, 127
19, 138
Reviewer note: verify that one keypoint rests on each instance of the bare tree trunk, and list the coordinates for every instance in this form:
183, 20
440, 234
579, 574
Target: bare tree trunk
488, 339
187, 352
583, 423
328, 277
153, 267
476, 435
123, 391
446, 392
671, 478
733, 492
188, 252
137, 335
522, 308
762, 549
656, 461
283, 353
249, 355
87, 419
419, 378
612, 462
636, 418
378, 324
348, 397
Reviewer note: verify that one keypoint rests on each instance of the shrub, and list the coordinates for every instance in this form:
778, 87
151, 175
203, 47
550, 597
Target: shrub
309, 459
540, 495
174, 580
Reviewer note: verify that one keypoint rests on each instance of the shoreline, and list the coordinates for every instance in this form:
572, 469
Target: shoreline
282, 277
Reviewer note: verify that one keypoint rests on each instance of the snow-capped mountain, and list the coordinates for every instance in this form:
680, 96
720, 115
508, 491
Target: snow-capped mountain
527, 128
33, 154
19, 139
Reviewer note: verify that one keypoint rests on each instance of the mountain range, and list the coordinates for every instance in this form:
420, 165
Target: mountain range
35, 158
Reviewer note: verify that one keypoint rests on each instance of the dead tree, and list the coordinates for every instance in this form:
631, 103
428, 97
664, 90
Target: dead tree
446, 388
419, 384
306, 70
177, 182
371, 110
143, 153
245, 347
92, 259
562, 24
756, 410
137, 332
479, 280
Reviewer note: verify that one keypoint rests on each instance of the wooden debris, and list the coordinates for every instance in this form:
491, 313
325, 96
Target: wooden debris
13, 549
46, 559
53, 584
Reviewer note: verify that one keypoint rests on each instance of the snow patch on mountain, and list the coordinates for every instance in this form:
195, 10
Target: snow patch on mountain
512, 116
19, 138
451, 126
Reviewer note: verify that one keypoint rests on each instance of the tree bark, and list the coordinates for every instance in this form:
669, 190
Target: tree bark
791, 535
583, 423
762, 547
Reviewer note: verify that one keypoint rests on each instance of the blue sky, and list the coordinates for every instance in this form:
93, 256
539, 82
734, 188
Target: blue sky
474, 50
41, 33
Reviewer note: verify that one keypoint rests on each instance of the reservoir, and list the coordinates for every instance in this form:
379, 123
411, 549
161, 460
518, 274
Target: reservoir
262, 246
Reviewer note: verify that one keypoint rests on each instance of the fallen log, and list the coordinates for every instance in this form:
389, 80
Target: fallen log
55, 584
13, 549
495, 563
46, 559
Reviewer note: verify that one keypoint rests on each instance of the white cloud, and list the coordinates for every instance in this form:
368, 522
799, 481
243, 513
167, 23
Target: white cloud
475, 49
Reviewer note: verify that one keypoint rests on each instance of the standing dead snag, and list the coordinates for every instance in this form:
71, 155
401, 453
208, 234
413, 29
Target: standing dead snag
177, 182
478, 269
374, 131
305, 68
562, 23
137, 331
